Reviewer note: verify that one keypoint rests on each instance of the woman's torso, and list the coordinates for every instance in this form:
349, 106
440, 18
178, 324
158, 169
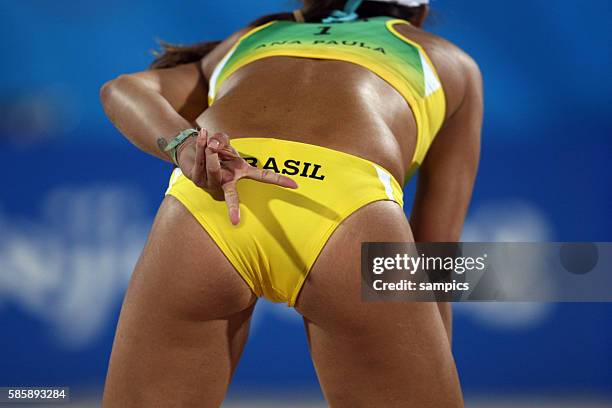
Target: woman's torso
335, 104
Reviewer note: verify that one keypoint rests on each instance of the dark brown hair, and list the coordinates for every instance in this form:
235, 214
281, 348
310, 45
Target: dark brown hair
313, 11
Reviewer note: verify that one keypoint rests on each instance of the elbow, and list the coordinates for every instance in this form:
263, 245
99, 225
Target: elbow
112, 88
106, 92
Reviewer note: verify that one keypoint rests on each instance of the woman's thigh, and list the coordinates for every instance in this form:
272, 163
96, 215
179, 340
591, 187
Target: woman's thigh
391, 354
183, 323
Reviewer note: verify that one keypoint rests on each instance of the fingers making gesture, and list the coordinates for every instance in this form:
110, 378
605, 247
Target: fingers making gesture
213, 164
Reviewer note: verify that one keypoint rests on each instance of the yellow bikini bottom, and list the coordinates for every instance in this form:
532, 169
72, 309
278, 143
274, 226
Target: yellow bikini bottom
283, 231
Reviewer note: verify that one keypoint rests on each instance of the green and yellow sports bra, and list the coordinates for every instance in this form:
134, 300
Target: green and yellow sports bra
372, 43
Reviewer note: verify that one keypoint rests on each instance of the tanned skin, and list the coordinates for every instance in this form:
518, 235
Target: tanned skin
185, 318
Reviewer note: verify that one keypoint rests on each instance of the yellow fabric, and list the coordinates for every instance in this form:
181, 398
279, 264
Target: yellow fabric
282, 231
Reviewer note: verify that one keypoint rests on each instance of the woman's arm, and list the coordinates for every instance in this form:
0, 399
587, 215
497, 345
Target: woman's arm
150, 108
446, 178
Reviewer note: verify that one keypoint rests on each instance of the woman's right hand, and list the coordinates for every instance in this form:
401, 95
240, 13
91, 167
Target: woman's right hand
214, 165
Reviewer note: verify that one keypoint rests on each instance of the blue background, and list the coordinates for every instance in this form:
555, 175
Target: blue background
78, 199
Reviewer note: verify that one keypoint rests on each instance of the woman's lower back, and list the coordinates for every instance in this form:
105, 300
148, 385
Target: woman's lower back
332, 104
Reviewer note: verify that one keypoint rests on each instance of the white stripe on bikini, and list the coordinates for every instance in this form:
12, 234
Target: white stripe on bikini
173, 178
385, 179
212, 87
432, 83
